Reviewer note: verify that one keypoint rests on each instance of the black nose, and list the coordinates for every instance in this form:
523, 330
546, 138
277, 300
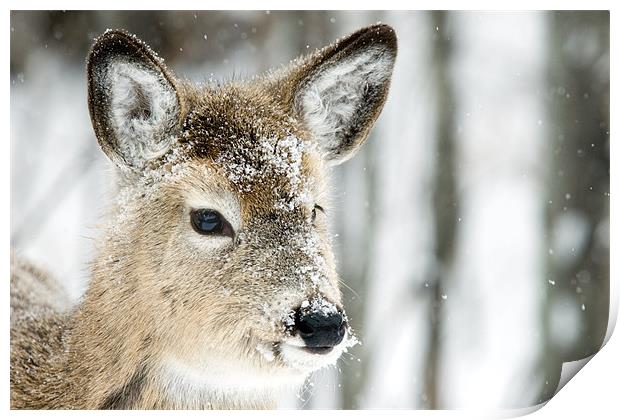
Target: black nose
319, 329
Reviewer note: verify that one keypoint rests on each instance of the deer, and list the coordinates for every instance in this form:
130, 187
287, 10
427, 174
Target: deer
214, 284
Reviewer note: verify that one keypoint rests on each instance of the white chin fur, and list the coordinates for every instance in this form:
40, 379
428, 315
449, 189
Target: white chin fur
216, 379
222, 380
293, 353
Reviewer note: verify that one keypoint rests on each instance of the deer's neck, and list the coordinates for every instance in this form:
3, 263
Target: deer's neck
118, 361
129, 372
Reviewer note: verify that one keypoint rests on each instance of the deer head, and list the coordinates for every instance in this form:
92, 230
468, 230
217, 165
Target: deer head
217, 254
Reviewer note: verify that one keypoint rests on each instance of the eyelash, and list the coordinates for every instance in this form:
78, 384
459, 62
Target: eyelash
316, 207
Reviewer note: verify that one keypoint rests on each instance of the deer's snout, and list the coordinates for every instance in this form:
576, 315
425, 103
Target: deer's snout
320, 330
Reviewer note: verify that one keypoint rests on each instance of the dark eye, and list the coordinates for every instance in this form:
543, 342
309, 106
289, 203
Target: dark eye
316, 207
210, 222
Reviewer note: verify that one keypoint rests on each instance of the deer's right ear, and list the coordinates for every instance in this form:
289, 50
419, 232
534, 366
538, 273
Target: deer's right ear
133, 100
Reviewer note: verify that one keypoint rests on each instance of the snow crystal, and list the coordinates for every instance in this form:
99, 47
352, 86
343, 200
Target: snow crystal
319, 305
288, 320
350, 340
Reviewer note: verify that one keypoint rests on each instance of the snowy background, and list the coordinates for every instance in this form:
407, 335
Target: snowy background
473, 227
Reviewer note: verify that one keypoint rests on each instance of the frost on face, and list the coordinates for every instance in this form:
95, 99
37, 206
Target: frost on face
313, 265
269, 160
323, 306
288, 320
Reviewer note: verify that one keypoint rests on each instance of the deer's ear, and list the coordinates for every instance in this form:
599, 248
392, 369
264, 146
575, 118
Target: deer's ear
133, 101
339, 91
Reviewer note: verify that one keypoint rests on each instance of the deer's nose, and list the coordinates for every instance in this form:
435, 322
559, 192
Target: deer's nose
320, 331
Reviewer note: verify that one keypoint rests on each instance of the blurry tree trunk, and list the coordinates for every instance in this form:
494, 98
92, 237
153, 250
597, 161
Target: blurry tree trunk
396, 259
491, 325
445, 203
578, 183
355, 273
356, 236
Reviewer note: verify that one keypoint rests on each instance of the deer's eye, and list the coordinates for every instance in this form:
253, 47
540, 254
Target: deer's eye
314, 210
210, 222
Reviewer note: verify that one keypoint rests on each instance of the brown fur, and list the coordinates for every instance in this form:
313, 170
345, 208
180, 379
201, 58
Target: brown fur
153, 293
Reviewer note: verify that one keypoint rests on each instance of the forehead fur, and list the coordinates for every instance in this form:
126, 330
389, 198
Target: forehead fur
247, 135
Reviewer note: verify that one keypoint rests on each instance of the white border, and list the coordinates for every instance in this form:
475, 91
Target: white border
593, 394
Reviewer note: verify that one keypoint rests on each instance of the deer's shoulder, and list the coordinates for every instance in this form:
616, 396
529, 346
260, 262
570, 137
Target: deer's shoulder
33, 290
39, 321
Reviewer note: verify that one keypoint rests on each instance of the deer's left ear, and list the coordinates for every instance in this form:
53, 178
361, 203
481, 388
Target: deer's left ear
339, 91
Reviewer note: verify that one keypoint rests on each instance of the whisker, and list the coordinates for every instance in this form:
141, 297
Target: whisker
348, 287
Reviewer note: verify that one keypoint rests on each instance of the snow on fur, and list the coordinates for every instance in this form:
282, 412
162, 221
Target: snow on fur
247, 165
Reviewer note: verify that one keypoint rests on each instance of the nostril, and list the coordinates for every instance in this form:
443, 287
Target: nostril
305, 329
306, 324
320, 329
